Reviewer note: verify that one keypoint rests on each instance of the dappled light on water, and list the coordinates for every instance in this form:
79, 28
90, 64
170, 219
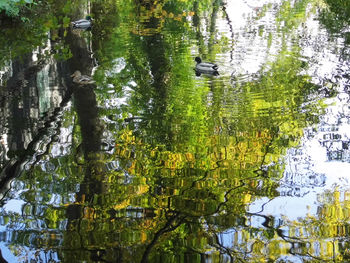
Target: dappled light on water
158, 161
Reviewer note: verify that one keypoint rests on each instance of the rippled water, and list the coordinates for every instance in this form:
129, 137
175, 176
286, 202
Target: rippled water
154, 163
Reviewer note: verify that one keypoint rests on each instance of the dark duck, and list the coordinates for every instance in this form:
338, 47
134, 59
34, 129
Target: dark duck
83, 23
205, 67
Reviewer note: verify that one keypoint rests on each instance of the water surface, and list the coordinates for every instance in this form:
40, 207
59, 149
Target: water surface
155, 163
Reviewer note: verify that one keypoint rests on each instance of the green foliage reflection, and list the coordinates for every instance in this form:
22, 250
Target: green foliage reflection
189, 154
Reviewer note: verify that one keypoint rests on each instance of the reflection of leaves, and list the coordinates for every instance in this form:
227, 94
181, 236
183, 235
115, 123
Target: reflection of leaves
336, 16
201, 162
31, 31
268, 233
13, 7
66, 21
62, 52
10, 7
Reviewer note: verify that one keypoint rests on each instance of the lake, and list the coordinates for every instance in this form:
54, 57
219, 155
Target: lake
156, 160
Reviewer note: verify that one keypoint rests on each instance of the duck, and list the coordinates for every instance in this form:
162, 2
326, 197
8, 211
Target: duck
83, 23
81, 79
205, 67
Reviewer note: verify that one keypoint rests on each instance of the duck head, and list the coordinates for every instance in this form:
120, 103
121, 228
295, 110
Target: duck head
198, 60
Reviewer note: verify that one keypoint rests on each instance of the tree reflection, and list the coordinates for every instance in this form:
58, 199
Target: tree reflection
186, 156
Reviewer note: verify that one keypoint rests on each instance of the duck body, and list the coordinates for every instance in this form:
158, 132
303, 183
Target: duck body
80, 79
205, 67
82, 23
